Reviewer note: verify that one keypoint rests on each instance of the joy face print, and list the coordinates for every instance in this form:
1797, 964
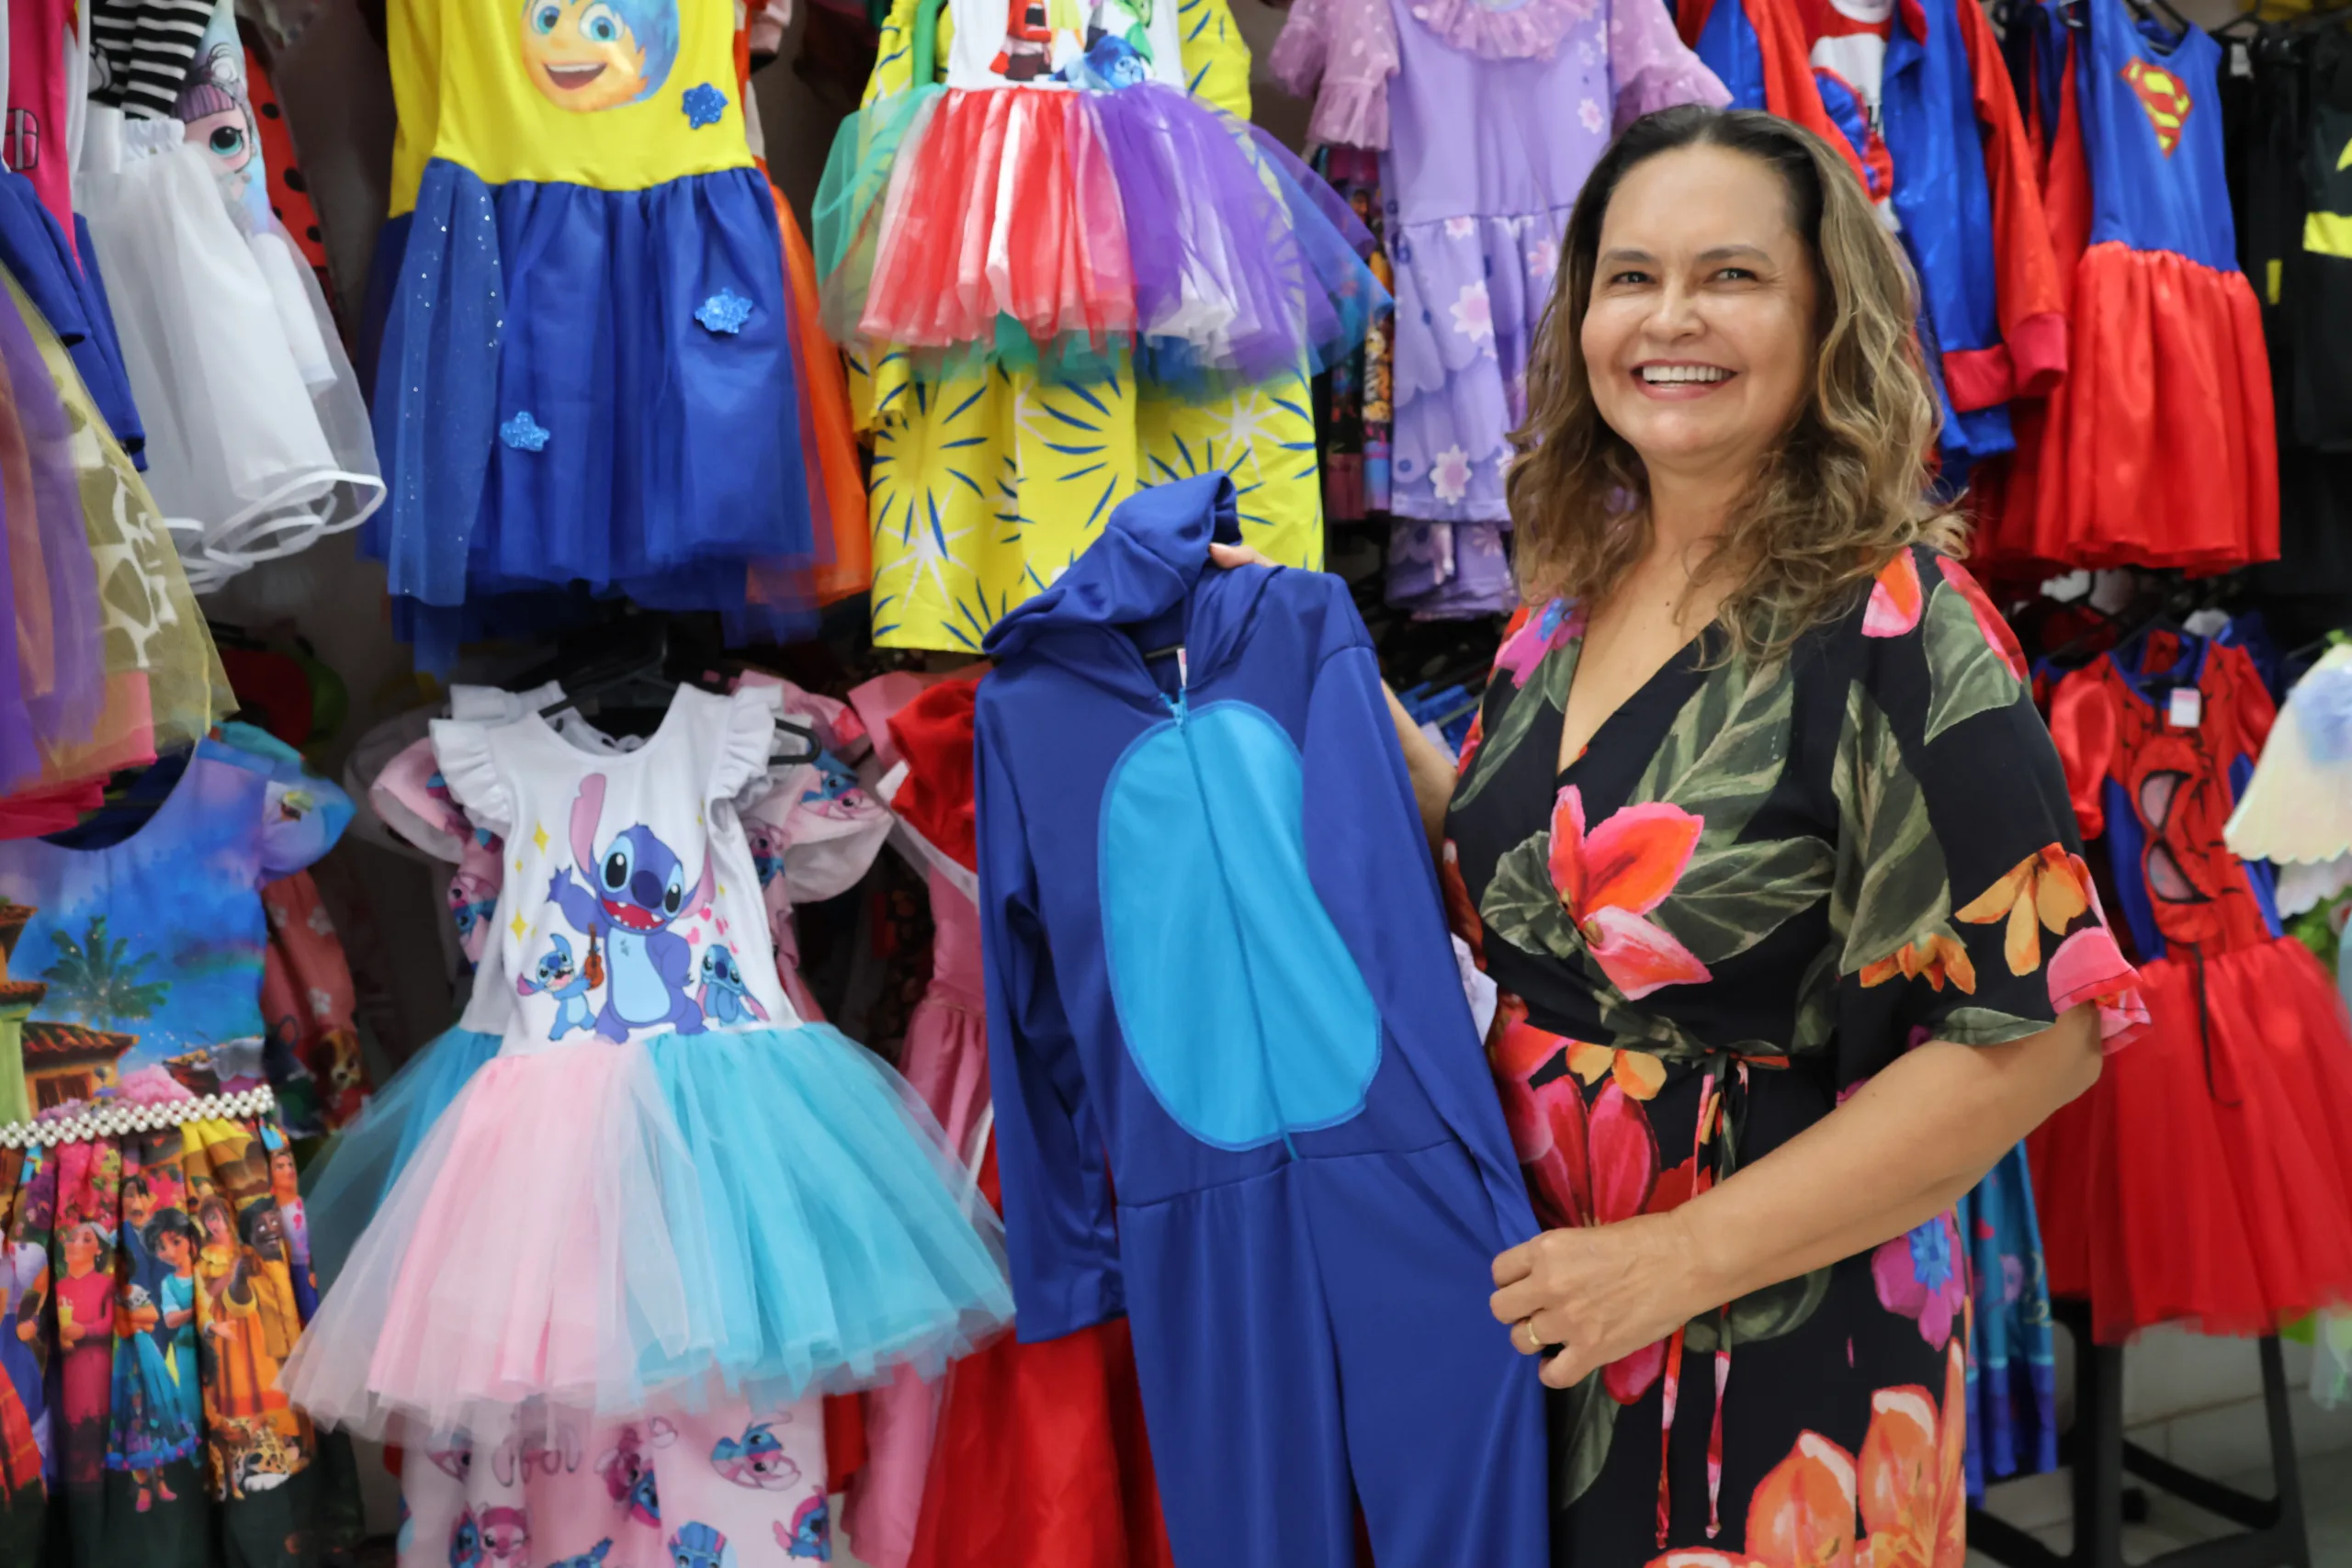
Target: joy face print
599, 54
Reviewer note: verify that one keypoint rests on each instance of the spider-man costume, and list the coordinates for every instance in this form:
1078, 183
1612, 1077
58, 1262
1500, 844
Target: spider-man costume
2208, 1179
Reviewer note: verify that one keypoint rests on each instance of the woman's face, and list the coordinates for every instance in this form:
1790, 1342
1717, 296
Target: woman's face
1702, 327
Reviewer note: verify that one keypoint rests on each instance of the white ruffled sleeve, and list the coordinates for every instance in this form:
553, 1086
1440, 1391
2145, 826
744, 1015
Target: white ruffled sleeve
470, 767
747, 734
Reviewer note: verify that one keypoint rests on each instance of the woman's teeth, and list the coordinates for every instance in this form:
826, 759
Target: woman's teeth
1671, 374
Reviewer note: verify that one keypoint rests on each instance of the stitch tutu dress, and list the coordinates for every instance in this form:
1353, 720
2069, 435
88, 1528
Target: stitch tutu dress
664, 1194
1063, 196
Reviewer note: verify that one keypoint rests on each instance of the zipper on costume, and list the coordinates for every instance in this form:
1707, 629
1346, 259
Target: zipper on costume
1180, 707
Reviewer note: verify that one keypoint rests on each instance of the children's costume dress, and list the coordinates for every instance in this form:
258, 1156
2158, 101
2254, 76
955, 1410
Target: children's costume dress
1492, 120
152, 1281
585, 370
257, 439
2208, 1178
1312, 1175
665, 1196
2161, 443
986, 485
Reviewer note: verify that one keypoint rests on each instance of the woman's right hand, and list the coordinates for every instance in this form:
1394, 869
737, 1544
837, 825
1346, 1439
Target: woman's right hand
1230, 556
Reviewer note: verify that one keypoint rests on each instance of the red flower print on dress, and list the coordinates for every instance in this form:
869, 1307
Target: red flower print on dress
1585, 1166
1920, 1276
1989, 620
1896, 599
1609, 879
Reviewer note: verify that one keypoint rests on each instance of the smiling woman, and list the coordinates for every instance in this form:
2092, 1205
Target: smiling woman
1769, 853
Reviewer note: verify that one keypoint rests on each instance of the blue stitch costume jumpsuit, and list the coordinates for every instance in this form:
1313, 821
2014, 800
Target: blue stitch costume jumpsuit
1219, 983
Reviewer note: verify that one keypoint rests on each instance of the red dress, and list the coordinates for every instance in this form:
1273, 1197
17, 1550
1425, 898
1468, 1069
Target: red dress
2208, 1178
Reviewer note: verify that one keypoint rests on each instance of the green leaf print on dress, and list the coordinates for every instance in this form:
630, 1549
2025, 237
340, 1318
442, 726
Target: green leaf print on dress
1549, 689
1969, 671
1891, 890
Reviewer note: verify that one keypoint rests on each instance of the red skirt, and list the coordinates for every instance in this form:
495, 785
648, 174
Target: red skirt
1041, 1459
2160, 448
2207, 1180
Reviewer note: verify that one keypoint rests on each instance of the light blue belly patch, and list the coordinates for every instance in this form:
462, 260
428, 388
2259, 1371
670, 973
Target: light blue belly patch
1242, 1008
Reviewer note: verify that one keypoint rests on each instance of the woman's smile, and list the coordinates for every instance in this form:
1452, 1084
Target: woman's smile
1680, 380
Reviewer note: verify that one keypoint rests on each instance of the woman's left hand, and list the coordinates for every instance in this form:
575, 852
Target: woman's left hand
1588, 1296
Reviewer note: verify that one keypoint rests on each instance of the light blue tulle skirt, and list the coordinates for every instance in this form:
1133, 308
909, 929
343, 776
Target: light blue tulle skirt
754, 1214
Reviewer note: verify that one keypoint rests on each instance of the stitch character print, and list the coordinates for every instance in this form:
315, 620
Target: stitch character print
638, 892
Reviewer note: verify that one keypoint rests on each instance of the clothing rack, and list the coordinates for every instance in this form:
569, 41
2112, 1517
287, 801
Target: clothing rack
2271, 1533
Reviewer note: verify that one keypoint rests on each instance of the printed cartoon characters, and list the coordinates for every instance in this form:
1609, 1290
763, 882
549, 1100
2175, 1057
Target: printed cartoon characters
219, 118
724, 998
628, 1470
557, 976
599, 54
592, 1558
465, 1541
699, 1546
505, 1537
640, 891
810, 1533
755, 1459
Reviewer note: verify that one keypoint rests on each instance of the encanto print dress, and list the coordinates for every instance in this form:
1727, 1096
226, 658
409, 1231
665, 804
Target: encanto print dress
153, 1276
1754, 889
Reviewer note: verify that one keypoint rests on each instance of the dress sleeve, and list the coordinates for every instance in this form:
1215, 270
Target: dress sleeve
746, 735
1965, 909
1650, 66
411, 798
303, 816
1341, 54
470, 767
1058, 1229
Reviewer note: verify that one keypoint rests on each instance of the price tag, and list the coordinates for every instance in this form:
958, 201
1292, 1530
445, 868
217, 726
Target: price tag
2186, 709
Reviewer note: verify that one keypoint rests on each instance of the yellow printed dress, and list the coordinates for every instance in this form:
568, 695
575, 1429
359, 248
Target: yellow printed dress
585, 374
987, 485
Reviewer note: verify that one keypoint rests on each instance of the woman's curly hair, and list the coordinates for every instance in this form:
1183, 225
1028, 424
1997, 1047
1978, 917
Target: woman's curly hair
1847, 485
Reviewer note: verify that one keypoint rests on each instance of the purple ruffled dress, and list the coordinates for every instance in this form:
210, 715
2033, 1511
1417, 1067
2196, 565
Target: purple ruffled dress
1491, 119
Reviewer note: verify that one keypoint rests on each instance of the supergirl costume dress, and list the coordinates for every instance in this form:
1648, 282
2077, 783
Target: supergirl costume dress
2204, 1180
664, 1198
1754, 890
2159, 447
586, 372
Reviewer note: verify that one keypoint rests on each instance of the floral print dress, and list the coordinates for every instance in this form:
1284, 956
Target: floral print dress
1754, 890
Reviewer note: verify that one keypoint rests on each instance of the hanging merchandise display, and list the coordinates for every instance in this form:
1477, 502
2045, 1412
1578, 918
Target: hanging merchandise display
1488, 121
586, 365
986, 484
1312, 1173
154, 1261
257, 439
2207, 1178
588, 1251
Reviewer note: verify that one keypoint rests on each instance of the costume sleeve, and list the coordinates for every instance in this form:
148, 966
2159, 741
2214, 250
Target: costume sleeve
1367, 854
2033, 300
1347, 48
2082, 723
1964, 908
1058, 1229
1649, 66
303, 816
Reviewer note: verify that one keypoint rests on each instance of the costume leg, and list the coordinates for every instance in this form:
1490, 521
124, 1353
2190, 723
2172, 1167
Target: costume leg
1444, 1418
1241, 1389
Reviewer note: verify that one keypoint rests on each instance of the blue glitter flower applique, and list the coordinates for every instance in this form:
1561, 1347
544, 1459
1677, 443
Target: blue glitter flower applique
725, 311
524, 433
704, 106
